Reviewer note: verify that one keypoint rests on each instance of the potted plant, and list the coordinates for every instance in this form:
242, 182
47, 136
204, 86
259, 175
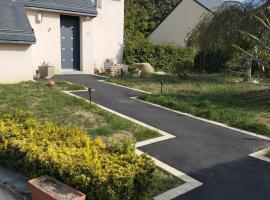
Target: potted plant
48, 188
46, 71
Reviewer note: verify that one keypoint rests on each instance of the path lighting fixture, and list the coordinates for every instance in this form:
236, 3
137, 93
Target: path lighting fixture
161, 86
37, 76
90, 91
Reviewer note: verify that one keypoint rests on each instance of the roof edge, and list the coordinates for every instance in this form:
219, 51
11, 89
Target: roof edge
94, 13
203, 6
16, 42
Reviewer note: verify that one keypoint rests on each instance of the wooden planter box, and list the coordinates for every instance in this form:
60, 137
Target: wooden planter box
48, 188
46, 71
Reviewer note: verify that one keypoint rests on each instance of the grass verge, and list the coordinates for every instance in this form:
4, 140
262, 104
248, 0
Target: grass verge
220, 98
50, 103
164, 182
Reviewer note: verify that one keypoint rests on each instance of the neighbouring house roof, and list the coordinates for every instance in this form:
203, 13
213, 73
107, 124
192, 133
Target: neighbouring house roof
87, 7
211, 4
14, 24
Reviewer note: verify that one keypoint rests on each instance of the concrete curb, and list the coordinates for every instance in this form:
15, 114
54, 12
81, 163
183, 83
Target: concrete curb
187, 114
175, 192
179, 190
126, 87
205, 120
261, 155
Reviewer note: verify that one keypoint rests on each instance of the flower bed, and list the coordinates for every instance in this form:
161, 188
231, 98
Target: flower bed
70, 155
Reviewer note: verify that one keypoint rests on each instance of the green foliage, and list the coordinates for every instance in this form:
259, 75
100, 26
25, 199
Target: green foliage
45, 102
67, 153
215, 35
211, 62
261, 49
142, 17
220, 97
166, 57
165, 182
63, 85
219, 102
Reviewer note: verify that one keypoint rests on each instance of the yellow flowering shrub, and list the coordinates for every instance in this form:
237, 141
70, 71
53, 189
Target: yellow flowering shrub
70, 155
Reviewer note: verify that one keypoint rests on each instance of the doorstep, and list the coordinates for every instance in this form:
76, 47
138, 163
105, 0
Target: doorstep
70, 71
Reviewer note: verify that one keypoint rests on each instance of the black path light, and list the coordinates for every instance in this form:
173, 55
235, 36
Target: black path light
161, 86
90, 91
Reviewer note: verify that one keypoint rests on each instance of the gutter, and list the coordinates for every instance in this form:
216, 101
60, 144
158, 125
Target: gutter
16, 42
94, 14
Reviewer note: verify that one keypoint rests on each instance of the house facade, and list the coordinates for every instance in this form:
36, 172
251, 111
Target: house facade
74, 36
182, 20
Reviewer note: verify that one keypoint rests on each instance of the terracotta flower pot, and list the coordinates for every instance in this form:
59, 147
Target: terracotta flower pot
48, 188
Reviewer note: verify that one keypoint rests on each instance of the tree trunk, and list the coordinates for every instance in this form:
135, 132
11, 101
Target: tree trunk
248, 67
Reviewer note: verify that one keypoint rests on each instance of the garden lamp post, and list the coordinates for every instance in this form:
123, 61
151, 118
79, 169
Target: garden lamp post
90, 90
161, 86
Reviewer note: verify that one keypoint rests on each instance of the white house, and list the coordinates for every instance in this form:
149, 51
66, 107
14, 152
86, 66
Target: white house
75, 36
181, 20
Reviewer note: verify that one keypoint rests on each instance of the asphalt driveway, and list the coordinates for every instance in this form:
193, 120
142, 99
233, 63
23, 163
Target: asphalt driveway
214, 155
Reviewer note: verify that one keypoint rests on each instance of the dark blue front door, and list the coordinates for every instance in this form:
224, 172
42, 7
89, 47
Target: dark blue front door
70, 42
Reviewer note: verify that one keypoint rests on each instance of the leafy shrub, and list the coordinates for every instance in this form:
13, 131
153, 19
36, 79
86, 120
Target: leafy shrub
166, 57
142, 17
67, 153
211, 62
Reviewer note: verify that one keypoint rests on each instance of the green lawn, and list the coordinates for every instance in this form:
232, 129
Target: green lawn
221, 98
164, 182
50, 103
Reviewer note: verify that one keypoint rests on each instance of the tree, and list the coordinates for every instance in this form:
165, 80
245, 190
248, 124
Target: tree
260, 52
219, 30
143, 16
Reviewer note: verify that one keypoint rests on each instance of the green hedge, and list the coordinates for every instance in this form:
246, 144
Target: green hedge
165, 57
142, 17
70, 155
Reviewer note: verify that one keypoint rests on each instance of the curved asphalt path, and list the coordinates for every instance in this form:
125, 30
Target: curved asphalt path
214, 155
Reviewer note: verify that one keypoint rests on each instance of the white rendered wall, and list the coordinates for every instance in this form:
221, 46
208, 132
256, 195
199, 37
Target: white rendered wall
108, 32
48, 45
15, 63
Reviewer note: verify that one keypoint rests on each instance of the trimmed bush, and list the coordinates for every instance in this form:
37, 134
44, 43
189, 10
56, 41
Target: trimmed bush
165, 57
70, 155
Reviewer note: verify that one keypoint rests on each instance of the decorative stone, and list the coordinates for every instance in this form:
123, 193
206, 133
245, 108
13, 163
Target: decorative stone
160, 73
255, 81
145, 68
137, 73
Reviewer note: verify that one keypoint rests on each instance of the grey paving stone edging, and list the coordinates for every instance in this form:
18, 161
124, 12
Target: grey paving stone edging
190, 183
